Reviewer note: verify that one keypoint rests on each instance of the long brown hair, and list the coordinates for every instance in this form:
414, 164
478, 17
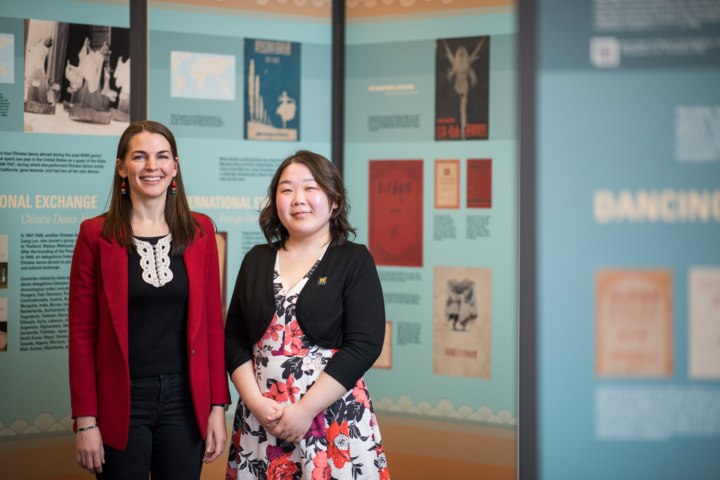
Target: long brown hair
118, 224
329, 180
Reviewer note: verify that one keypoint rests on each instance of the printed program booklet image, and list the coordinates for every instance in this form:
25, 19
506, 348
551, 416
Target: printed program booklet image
395, 230
462, 322
272, 92
634, 323
462, 88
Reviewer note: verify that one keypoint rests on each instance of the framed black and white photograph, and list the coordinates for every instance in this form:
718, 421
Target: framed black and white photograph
77, 78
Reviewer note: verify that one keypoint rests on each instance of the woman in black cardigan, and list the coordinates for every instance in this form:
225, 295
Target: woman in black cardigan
307, 311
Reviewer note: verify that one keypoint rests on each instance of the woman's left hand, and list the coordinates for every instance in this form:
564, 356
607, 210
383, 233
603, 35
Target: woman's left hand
216, 431
294, 423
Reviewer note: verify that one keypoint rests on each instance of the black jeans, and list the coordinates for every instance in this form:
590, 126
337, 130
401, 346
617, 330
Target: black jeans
164, 438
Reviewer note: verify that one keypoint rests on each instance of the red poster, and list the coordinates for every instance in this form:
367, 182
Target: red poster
396, 212
479, 183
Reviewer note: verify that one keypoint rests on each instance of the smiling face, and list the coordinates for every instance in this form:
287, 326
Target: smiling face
303, 207
149, 167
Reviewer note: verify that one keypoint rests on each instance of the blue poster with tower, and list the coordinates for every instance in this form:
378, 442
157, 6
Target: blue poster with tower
272, 90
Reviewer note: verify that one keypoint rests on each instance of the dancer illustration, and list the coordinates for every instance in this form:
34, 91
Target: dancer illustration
91, 67
465, 77
35, 77
460, 305
452, 304
287, 108
122, 81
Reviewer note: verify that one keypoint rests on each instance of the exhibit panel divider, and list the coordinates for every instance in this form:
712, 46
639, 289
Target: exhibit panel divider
628, 221
240, 89
431, 168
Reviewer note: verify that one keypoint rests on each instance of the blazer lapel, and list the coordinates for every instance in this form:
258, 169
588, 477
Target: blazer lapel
114, 266
194, 257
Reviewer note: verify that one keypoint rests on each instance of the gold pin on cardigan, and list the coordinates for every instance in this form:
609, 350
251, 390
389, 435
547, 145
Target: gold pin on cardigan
322, 281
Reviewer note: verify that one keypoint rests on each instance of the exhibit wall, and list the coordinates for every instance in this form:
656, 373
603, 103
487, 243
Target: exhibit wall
56, 170
431, 170
628, 220
240, 89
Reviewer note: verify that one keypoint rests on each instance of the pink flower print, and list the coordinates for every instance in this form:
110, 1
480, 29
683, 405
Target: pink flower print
322, 470
271, 332
361, 394
293, 339
282, 392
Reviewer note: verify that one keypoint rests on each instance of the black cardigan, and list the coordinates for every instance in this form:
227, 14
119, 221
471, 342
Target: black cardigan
345, 312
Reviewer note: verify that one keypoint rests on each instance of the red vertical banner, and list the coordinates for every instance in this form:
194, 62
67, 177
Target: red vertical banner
396, 212
479, 183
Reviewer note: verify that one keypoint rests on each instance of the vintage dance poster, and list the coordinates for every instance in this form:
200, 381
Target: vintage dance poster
385, 359
77, 78
396, 212
479, 183
704, 323
634, 323
447, 183
462, 322
221, 239
462, 81
272, 90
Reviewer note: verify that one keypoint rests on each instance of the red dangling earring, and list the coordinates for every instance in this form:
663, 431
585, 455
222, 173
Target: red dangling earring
123, 187
172, 186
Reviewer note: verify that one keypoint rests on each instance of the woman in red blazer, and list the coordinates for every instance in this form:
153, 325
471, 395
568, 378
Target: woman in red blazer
147, 370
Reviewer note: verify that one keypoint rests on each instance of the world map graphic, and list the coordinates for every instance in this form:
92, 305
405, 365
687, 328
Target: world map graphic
206, 76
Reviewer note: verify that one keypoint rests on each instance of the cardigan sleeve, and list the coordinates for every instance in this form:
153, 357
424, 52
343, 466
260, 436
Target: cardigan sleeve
83, 322
238, 347
219, 391
363, 325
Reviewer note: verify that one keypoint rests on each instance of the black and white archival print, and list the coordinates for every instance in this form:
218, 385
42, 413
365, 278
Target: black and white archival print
77, 78
462, 81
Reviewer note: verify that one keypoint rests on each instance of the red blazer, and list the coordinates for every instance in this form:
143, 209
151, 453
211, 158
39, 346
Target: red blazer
99, 370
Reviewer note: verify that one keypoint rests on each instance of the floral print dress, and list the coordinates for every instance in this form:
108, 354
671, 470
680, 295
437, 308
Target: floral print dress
343, 442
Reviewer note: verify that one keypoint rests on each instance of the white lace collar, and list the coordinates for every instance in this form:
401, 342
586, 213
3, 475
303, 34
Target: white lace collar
155, 261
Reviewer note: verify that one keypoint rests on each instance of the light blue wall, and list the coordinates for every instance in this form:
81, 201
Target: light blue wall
612, 129
37, 382
403, 52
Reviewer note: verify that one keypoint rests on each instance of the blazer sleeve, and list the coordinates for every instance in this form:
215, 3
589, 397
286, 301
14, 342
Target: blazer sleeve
238, 346
83, 318
219, 391
363, 325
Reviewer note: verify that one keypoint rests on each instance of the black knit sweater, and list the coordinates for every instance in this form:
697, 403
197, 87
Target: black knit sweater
346, 311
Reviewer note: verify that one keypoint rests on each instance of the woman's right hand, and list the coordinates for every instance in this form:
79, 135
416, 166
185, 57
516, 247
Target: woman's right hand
89, 446
262, 408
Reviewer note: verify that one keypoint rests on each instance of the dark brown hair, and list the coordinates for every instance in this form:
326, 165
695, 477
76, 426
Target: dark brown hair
178, 216
329, 180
